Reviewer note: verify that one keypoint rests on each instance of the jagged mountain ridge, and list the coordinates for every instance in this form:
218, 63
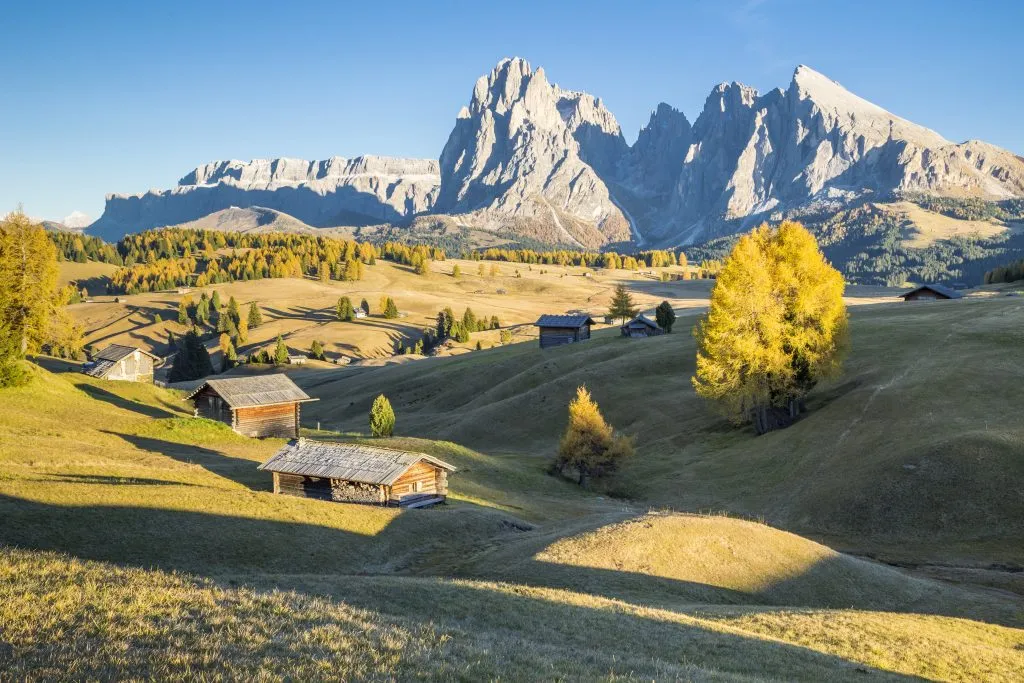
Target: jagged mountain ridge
529, 159
364, 190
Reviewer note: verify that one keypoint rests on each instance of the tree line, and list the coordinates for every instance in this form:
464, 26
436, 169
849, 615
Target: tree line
173, 257
592, 259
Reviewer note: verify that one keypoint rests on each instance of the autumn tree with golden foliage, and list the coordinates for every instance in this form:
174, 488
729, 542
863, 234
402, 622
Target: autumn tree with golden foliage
589, 446
32, 316
776, 326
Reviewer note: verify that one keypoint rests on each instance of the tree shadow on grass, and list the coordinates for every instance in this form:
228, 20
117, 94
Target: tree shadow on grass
101, 394
110, 480
239, 470
222, 546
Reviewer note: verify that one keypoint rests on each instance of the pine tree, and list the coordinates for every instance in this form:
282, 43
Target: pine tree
469, 320
390, 309
316, 350
382, 417
665, 316
776, 325
255, 318
192, 360
456, 271
233, 311
344, 309
202, 314
224, 342
589, 447
182, 312
215, 301
242, 333
622, 306
280, 352
365, 305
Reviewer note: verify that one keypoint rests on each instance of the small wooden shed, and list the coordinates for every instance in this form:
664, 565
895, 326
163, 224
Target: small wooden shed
259, 406
123, 363
931, 293
556, 330
356, 473
641, 326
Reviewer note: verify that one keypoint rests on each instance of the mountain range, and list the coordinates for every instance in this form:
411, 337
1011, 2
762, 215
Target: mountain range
527, 159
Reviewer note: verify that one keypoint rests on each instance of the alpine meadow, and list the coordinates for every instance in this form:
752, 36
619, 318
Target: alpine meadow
730, 398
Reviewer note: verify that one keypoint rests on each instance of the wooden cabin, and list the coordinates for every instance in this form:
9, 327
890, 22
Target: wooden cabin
123, 363
641, 326
931, 293
356, 473
259, 406
556, 330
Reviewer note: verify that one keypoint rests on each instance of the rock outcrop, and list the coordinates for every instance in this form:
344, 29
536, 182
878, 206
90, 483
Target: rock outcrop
514, 160
361, 191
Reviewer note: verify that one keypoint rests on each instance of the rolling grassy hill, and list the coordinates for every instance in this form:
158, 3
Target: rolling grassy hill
138, 542
916, 454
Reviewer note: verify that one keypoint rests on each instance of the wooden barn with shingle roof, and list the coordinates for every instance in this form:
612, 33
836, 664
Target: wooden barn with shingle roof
260, 406
124, 363
556, 330
357, 473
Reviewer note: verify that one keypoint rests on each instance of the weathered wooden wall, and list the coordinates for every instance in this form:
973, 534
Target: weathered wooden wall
138, 367
260, 421
557, 336
336, 490
431, 479
211, 406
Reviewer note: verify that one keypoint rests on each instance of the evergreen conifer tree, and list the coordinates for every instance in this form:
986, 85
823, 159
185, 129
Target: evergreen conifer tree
665, 316
622, 306
255, 318
192, 361
280, 352
382, 417
344, 309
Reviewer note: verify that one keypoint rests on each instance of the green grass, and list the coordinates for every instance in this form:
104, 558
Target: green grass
915, 454
138, 542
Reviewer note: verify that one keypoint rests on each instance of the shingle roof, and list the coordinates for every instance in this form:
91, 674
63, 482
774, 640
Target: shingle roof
938, 289
257, 390
116, 352
351, 462
643, 320
564, 321
100, 368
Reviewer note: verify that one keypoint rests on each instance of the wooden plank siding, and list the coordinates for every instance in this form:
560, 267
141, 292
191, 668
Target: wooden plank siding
557, 336
419, 479
262, 421
136, 367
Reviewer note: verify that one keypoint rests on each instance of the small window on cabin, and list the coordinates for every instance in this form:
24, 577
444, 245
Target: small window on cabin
415, 486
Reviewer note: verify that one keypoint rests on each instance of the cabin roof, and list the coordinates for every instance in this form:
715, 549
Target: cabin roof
580, 320
116, 352
643, 320
257, 390
938, 289
347, 461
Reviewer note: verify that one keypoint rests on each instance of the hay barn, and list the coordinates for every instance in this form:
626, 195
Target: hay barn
356, 473
123, 363
931, 293
260, 406
641, 326
557, 330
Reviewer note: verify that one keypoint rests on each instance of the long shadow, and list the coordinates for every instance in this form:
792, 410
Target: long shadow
221, 546
110, 397
239, 470
109, 480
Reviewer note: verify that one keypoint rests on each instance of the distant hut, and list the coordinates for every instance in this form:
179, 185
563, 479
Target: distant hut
123, 363
641, 326
259, 406
297, 360
931, 293
556, 330
354, 473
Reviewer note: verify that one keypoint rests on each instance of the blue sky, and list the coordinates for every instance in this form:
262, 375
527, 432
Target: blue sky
123, 97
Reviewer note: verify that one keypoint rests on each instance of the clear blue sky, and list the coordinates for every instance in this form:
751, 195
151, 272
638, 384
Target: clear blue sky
104, 97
